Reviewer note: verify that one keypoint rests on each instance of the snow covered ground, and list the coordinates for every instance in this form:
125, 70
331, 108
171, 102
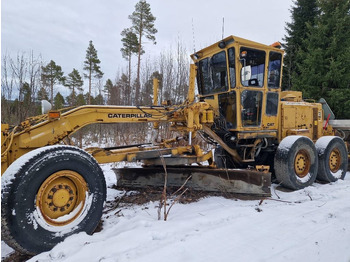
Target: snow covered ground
306, 225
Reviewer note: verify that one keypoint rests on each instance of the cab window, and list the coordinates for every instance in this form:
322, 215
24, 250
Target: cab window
253, 67
271, 104
274, 74
227, 108
231, 65
251, 102
212, 74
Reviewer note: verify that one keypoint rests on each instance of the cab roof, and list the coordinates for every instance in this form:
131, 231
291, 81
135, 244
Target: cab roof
229, 42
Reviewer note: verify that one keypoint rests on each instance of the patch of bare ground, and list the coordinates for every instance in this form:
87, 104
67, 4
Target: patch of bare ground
151, 194
16, 257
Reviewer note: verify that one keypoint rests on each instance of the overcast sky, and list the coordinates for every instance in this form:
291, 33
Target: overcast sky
61, 30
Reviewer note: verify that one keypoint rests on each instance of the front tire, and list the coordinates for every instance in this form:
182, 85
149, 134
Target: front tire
296, 162
222, 158
48, 195
332, 158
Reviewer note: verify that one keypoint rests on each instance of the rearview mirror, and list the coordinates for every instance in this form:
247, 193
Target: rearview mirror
246, 73
45, 106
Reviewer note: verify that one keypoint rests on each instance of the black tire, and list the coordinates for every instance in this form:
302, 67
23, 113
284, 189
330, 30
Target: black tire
24, 226
296, 162
222, 158
332, 158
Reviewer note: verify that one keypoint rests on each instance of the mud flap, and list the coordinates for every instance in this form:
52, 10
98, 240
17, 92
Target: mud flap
238, 181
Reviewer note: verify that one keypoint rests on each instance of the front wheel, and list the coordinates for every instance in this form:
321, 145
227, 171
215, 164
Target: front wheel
296, 162
332, 158
48, 195
222, 158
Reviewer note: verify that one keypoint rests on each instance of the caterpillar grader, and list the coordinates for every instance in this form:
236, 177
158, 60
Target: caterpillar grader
52, 189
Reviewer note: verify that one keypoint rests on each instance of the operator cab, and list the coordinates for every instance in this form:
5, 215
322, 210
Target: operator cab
242, 79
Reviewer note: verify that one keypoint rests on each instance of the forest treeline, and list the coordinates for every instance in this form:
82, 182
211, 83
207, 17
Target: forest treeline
317, 45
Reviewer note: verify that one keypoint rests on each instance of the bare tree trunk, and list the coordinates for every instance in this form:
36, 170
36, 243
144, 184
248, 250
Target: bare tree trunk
7, 85
34, 72
51, 92
19, 69
129, 72
89, 103
138, 84
15, 73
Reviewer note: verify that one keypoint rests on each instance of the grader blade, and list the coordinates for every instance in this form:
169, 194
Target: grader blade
237, 181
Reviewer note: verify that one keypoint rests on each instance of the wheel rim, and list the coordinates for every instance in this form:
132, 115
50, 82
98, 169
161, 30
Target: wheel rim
61, 197
302, 163
334, 160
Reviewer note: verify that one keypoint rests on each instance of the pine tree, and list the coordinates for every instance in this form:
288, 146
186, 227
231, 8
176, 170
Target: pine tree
143, 26
80, 100
304, 12
51, 75
59, 101
26, 104
122, 91
130, 47
74, 82
109, 88
325, 68
91, 65
42, 94
99, 100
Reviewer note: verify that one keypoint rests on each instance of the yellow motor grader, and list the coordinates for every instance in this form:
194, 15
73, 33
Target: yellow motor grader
51, 189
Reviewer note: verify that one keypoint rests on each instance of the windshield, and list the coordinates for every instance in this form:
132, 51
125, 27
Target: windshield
254, 61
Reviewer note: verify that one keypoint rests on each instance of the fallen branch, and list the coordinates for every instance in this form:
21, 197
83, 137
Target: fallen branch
117, 205
284, 201
308, 194
274, 190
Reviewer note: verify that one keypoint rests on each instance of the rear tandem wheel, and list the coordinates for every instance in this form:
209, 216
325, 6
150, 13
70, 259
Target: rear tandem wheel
296, 162
333, 158
48, 195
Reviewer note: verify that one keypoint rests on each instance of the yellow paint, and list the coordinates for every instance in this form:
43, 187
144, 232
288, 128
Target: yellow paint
59, 195
292, 115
